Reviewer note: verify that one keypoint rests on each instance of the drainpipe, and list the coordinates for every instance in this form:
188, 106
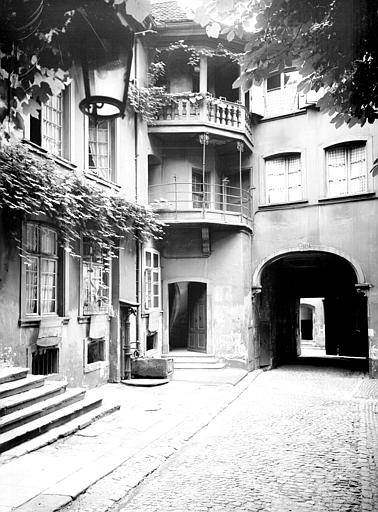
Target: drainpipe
137, 243
240, 148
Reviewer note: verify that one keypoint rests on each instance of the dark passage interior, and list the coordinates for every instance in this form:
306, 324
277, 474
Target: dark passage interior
187, 316
286, 315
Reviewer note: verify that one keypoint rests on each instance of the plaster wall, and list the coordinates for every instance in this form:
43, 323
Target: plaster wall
228, 289
347, 225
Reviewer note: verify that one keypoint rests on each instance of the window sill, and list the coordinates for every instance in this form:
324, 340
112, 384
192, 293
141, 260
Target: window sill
35, 321
86, 319
98, 365
102, 181
275, 206
43, 152
271, 117
347, 198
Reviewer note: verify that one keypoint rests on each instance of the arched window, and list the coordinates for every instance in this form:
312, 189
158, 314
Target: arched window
346, 169
283, 178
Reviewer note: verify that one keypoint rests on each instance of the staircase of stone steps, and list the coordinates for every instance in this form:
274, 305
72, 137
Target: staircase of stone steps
35, 411
186, 361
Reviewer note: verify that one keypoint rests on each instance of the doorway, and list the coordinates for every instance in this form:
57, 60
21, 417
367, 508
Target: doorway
188, 316
296, 289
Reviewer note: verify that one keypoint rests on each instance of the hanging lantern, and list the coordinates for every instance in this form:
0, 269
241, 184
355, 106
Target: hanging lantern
106, 53
106, 85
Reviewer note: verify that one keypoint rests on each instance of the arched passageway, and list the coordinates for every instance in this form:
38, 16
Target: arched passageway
292, 276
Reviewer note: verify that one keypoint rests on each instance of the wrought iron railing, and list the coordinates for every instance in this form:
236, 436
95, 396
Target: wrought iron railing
189, 107
179, 196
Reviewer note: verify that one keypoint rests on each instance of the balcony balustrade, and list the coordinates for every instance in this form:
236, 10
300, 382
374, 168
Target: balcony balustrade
196, 108
195, 202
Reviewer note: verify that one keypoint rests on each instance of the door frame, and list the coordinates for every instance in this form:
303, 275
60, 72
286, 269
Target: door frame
179, 279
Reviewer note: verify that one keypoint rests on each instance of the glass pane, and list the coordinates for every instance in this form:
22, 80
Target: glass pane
358, 182
275, 180
48, 241
52, 125
32, 237
156, 260
48, 285
273, 82
99, 147
294, 178
148, 259
31, 284
337, 171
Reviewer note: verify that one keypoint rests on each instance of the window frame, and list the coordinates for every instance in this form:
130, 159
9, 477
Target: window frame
87, 309
35, 131
347, 146
285, 157
148, 294
39, 256
112, 136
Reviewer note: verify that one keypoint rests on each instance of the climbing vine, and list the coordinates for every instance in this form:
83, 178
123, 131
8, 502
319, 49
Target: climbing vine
32, 184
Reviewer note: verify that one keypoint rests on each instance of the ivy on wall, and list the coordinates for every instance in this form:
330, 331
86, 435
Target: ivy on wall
31, 184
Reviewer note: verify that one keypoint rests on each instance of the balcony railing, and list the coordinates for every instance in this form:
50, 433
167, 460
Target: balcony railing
197, 108
189, 201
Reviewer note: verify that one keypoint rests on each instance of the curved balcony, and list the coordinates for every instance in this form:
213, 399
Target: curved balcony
183, 203
198, 112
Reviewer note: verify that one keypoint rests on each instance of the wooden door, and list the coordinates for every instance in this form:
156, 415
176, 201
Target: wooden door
197, 335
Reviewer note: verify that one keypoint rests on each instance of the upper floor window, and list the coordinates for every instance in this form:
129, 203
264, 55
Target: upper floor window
346, 169
151, 279
200, 190
48, 129
96, 279
281, 93
52, 125
40, 269
283, 179
100, 147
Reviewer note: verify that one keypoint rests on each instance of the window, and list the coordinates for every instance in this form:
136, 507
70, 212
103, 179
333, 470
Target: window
100, 141
52, 125
96, 279
198, 196
151, 279
41, 269
47, 129
281, 93
45, 361
346, 170
283, 179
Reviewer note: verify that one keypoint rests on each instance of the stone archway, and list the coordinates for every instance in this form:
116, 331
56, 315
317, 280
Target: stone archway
279, 282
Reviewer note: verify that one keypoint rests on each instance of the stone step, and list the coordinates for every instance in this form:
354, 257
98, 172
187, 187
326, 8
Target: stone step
195, 359
10, 373
32, 396
19, 386
39, 409
199, 366
67, 429
39, 426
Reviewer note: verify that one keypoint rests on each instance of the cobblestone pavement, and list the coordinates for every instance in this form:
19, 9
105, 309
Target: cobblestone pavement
298, 439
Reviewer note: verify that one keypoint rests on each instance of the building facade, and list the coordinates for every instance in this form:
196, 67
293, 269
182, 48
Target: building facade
264, 202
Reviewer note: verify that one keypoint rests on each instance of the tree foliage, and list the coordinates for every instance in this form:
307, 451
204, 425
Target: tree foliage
334, 44
31, 184
40, 39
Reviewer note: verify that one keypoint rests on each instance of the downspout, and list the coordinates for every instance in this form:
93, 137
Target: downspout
138, 274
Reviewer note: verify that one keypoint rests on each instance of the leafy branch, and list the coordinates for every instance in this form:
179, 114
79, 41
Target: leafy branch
35, 185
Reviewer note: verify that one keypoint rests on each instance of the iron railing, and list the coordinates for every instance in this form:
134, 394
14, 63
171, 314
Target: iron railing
179, 196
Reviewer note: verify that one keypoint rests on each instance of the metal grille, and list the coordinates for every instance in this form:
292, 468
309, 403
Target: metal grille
45, 361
